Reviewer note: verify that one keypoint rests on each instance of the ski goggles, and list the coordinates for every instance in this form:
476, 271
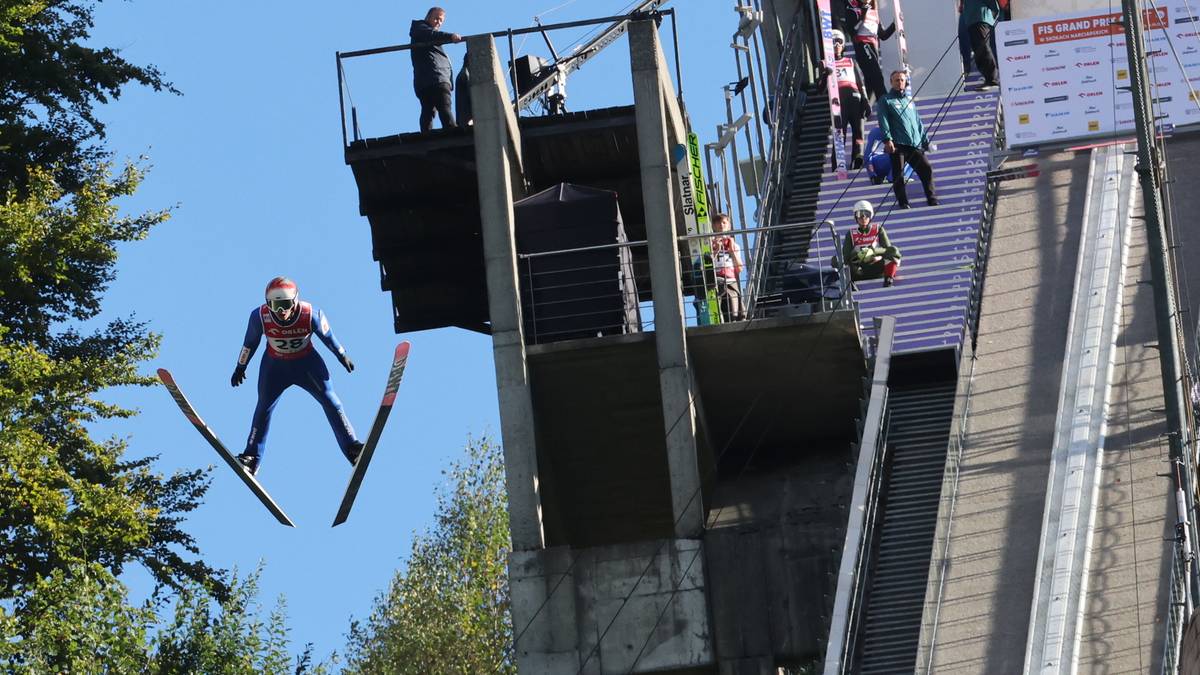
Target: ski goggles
278, 306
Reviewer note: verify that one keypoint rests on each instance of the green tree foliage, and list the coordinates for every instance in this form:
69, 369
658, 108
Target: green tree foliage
14, 14
447, 610
65, 498
229, 638
53, 79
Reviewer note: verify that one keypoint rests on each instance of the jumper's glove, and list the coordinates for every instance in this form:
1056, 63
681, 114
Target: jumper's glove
346, 363
239, 376
866, 110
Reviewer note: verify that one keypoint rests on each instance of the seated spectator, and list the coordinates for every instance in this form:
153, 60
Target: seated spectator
431, 68
867, 251
851, 92
879, 163
727, 265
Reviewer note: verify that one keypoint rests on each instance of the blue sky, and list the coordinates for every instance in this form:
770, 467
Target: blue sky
250, 157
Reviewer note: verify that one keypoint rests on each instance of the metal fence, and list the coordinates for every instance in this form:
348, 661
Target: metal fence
605, 290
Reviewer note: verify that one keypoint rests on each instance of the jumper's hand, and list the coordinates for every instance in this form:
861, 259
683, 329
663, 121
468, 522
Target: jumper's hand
347, 363
889, 147
455, 37
239, 376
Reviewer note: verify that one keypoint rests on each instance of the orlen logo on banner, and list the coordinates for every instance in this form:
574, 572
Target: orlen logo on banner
1162, 85
1056, 99
1018, 57
1189, 34
1086, 64
1093, 125
1090, 94
1023, 118
1055, 83
1116, 43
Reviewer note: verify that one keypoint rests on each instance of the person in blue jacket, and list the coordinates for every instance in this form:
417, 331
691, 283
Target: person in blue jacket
432, 72
904, 138
291, 359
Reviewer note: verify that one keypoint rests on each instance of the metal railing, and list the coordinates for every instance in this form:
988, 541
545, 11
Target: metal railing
788, 100
549, 75
854, 578
601, 290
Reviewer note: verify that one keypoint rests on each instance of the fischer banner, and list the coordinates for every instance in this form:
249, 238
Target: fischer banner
1061, 77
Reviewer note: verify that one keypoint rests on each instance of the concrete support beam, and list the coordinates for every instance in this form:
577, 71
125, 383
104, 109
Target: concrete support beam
497, 161
542, 588
679, 410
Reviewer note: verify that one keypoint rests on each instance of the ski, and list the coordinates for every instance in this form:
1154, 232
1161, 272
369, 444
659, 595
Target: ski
385, 408
190, 413
835, 101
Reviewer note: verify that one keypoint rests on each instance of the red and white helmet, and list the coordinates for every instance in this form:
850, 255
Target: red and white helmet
282, 295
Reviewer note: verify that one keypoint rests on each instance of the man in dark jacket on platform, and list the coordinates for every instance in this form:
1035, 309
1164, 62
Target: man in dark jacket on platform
432, 72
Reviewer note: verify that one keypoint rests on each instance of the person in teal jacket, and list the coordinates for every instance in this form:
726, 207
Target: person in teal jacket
980, 17
905, 140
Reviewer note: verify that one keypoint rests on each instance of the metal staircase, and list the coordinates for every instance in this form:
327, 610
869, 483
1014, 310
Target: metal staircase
918, 435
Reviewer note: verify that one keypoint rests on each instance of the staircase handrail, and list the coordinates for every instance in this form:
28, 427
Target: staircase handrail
782, 119
853, 579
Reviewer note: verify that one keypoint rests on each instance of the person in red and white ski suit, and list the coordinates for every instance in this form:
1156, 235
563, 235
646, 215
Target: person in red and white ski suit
291, 359
851, 92
867, 250
862, 22
727, 267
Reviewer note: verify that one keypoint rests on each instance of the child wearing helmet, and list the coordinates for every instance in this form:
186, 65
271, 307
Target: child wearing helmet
852, 93
290, 359
867, 251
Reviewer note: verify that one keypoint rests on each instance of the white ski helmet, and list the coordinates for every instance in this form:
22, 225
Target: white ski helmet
838, 36
282, 295
863, 205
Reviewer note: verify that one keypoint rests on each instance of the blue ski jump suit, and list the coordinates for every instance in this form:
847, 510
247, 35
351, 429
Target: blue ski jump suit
291, 358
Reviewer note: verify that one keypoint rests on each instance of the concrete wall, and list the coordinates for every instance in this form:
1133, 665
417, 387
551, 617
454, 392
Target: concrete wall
646, 599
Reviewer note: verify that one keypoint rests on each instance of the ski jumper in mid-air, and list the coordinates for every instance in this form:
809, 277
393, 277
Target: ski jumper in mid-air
291, 359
